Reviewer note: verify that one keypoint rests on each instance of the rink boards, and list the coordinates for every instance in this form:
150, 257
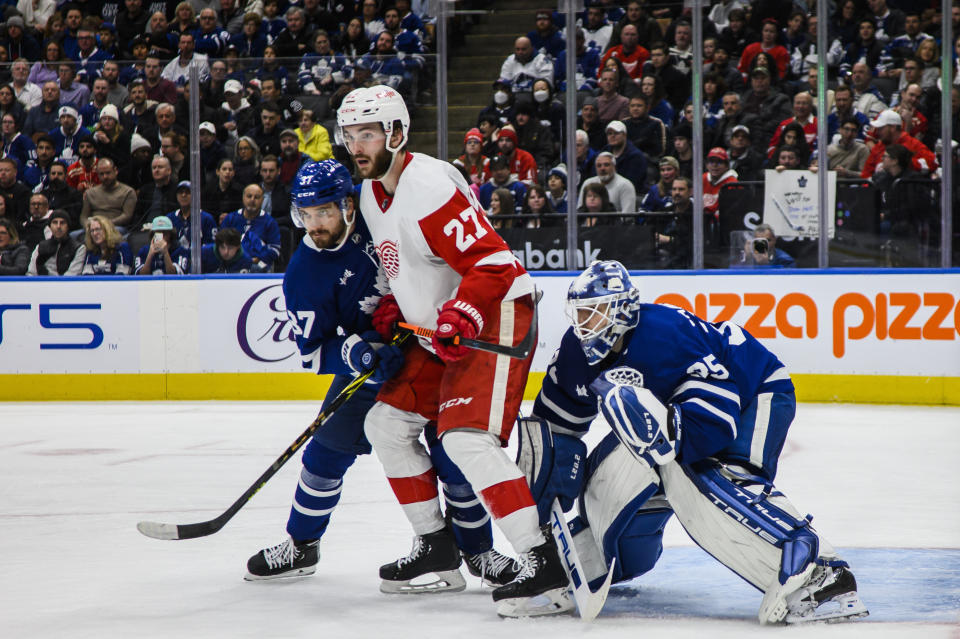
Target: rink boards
864, 336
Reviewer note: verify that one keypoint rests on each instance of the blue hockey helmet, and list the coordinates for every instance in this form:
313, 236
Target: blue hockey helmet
603, 304
319, 183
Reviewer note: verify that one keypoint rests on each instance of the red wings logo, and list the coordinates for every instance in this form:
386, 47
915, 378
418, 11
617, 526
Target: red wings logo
389, 254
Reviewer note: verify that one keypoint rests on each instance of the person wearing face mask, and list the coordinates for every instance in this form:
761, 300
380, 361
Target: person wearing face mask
547, 109
502, 105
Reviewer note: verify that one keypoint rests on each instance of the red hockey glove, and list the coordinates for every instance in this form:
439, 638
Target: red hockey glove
455, 318
386, 316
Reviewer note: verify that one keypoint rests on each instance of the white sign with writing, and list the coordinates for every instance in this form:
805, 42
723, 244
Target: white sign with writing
791, 203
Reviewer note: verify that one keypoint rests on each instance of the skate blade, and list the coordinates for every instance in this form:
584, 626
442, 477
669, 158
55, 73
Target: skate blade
299, 572
431, 582
551, 602
845, 607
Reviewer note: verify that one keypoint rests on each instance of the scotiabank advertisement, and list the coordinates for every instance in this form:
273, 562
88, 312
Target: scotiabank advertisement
865, 323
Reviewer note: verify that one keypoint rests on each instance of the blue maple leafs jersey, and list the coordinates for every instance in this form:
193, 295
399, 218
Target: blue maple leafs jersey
330, 295
713, 372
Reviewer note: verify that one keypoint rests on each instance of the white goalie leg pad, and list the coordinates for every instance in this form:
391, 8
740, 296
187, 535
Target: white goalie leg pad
395, 437
762, 538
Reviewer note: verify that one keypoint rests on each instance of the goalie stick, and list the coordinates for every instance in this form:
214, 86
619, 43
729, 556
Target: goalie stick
589, 603
158, 530
520, 351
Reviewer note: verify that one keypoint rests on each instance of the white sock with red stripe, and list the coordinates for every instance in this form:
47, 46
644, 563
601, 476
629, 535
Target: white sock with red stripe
499, 484
395, 435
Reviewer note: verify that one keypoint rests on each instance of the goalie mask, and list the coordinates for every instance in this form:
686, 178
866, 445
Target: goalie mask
602, 304
318, 183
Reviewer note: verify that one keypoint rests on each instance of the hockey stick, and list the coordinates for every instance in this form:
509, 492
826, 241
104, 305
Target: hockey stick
159, 530
589, 603
520, 351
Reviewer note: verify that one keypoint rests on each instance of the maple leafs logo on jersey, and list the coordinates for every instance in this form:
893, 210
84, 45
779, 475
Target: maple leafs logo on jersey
581, 391
369, 303
389, 253
347, 274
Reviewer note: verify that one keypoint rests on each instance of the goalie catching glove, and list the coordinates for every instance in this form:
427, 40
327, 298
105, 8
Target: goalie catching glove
363, 353
648, 429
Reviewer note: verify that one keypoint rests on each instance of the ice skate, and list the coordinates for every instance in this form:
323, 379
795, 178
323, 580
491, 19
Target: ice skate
539, 589
492, 567
432, 566
829, 594
286, 559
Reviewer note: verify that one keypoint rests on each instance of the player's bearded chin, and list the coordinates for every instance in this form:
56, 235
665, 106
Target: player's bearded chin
378, 165
325, 239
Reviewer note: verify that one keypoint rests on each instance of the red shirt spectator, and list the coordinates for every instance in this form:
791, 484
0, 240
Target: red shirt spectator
522, 165
82, 174
888, 127
718, 173
629, 52
802, 115
472, 161
768, 44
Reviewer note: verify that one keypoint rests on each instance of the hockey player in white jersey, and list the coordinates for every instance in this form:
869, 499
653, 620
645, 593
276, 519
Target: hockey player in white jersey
448, 270
699, 413
331, 288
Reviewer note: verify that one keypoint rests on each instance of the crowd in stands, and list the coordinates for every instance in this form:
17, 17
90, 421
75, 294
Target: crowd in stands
635, 115
94, 115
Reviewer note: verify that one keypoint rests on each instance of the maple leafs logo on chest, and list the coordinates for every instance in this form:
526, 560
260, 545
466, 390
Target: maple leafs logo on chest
389, 252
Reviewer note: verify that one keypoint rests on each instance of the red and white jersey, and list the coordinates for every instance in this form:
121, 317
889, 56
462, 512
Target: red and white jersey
435, 244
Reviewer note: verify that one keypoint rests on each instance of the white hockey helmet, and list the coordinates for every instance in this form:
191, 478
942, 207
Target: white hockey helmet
378, 103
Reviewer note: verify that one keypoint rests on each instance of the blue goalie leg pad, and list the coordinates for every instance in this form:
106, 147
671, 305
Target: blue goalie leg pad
318, 491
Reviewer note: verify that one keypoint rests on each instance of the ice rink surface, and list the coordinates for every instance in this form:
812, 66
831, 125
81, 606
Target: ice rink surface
883, 483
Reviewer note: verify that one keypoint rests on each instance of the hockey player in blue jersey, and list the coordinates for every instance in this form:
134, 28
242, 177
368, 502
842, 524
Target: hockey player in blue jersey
699, 413
331, 288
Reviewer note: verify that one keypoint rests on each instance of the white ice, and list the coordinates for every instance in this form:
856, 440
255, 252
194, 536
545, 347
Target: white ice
882, 482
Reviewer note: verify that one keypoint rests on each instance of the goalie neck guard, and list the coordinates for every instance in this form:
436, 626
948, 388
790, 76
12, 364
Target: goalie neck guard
377, 104
602, 304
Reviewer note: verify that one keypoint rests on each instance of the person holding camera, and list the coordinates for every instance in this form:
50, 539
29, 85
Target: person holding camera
163, 255
763, 248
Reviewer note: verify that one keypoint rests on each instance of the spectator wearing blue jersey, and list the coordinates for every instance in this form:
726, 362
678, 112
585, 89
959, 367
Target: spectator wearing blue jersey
89, 57
260, 232
16, 145
43, 117
66, 138
501, 178
210, 39
107, 253
225, 254
405, 41
163, 255
546, 38
588, 63
251, 40
323, 70
273, 24
385, 66
181, 218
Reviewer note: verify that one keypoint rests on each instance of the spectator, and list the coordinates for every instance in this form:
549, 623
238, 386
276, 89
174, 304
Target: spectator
246, 161
71, 26
675, 243
489, 126
291, 158
45, 70
131, 22
501, 177
67, 137
674, 85
276, 197
848, 155
631, 163
596, 199
14, 256
546, 38
502, 107
36, 173
18, 42
230, 17
914, 72
107, 40
630, 53
140, 111
110, 198
652, 89
762, 251
211, 151
158, 88
793, 137
658, 195
589, 123
524, 66
866, 48
72, 93
744, 158
888, 127
323, 70
370, 14
588, 65
140, 170
536, 204
237, 113
647, 27
610, 104
163, 255
44, 117
843, 23
270, 70
534, 137
224, 195
28, 93
902, 47
597, 30
164, 123
844, 109
928, 55
718, 175
210, 39
177, 71
60, 254
473, 161
547, 109
522, 165
767, 44
159, 38
90, 113
212, 90
354, 42
721, 65
788, 158
897, 216
733, 115
111, 139
803, 116
36, 14
683, 148
107, 253
644, 131
768, 106
82, 174
89, 57
557, 189
889, 22
261, 235
157, 196
35, 228
15, 193
61, 195
294, 42
502, 203
623, 195
180, 218
914, 121
226, 254
250, 41
682, 50
735, 37
586, 157
15, 144
866, 97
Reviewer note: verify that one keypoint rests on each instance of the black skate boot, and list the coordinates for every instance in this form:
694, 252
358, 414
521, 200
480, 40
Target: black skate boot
432, 566
287, 559
492, 567
539, 589
830, 595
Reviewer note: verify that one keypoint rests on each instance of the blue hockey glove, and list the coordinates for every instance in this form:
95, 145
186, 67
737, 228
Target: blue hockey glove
552, 463
363, 353
644, 425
